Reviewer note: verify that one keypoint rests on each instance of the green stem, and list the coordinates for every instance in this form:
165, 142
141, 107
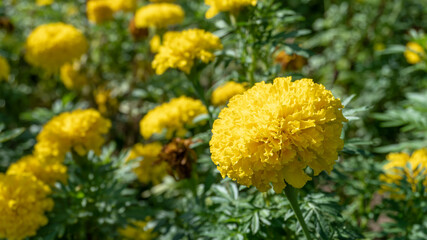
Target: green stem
200, 92
291, 194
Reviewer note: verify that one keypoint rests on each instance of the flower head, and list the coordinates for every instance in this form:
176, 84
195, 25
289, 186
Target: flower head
124, 5
99, 11
180, 157
138, 230
71, 77
272, 132
52, 45
150, 169
80, 130
226, 6
181, 49
223, 93
23, 202
414, 53
397, 168
159, 15
172, 116
44, 2
47, 170
4, 69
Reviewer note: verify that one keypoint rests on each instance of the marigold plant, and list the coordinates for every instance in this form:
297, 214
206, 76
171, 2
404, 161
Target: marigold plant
414, 53
217, 6
71, 77
159, 15
99, 11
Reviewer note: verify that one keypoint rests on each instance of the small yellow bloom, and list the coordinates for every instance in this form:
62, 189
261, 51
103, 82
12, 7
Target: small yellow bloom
52, 45
44, 2
181, 49
23, 203
72, 77
159, 15
150, 169
138, 230
124, 5
104, 100
172, 117
4, 69
217, 6
414, 53
222, 94
272, 132
155, 44
99, 11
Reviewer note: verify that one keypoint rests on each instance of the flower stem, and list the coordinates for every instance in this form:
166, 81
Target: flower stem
200, 92
291, 193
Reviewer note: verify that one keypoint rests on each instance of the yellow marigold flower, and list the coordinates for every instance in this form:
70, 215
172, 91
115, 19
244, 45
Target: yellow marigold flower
23, 202
272, 132
223, 93
44, 2
172, 116
150, 169
50, 149
71, 77
155, 44
414, 53
181, 50
160, 1
47, 170
159, 15
4, 69
52, 45
138, 230
99, 11
397, 167
80, 130
124, 5
217, 6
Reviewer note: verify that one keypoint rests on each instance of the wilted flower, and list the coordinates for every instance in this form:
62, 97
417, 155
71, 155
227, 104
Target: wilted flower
47, 170
180, 157
6, 24
402, 165
99, 11
52, 45
137, 33
181, 50
172, 117
217, 6
4, 69
138, 230
150, 169
414, 53
290, 62
223, 93
159, 15
272, 132
80, 130
23, 203
71, 76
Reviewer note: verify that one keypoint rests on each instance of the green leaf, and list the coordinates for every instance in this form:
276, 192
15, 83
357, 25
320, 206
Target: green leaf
11, 134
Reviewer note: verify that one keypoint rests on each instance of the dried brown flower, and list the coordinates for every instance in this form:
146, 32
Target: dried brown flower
180, 157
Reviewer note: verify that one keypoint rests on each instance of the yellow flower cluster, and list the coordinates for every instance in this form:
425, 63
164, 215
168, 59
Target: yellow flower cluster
397, 167
80, 130
159, 15
47, 170
71, 77
23, 202
272, 132
217, 6
138, 230
159, 1
124, 5
4, 69
99, 11
414, 53
181, 50
150, 169
172, 116
223, 93
52, 45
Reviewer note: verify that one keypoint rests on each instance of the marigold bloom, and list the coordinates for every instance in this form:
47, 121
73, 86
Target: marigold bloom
159, 15
223, 93
52, 45
138, 230
80, 130
181, 50
160, 1
23, 202
172, 116
71, 77
272, 132
217, 6
99, 11
124, 5
397, 167
150, 169
4, 69
44, 2
414, 53
47, 170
